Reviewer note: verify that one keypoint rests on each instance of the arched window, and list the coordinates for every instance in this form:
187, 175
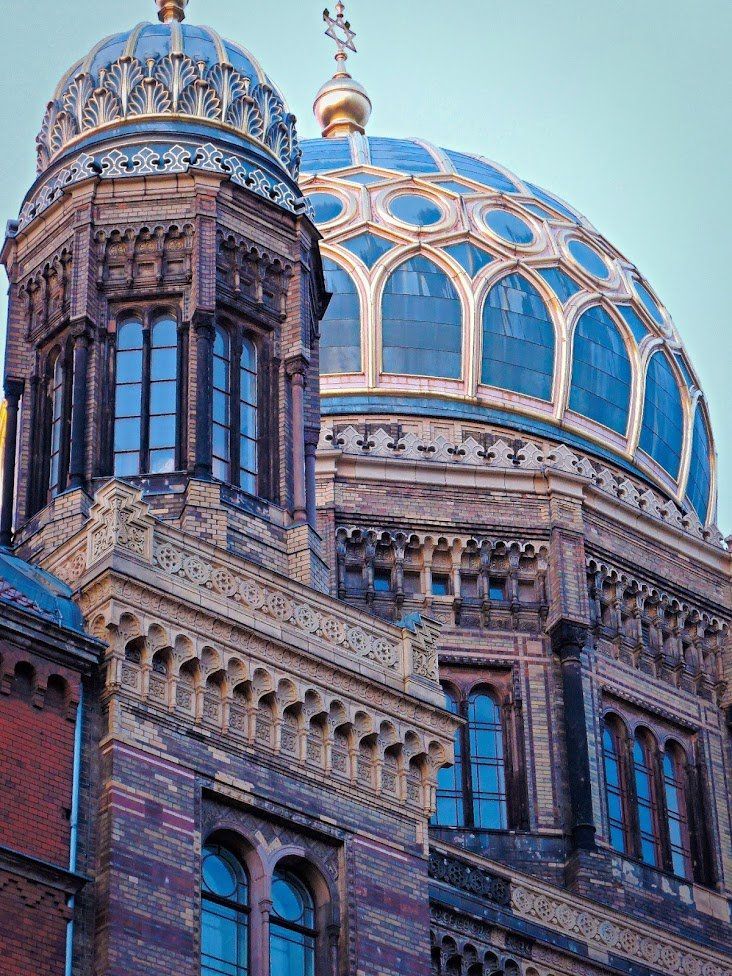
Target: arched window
662, 433
646, 800
224, 914
616, 795
677, 819
421, 322
449, 811
292, 931
487, 772
700, 472
601, 373
340, 329
518, 339
146, 396
235, 431
57, 392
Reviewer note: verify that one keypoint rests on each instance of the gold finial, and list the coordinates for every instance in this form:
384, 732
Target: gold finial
342, 105
170, 10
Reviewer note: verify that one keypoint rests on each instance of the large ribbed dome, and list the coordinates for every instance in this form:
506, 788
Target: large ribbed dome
463, 291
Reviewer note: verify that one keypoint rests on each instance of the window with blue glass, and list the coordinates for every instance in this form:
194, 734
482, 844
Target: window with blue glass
509, 227
518, 339
648, 300
563, 286
401, 155
235, 408
699, 485
601, 371
292, 927
326, 207
616, 792
340, 329
449, 811
634, 321
59, 396
480, 171
146, 396
421, 322
662, 431
487, 769
412, 208
646, 799
588, 258
553, 202
224, 914
473, 259
677, 820
367, 247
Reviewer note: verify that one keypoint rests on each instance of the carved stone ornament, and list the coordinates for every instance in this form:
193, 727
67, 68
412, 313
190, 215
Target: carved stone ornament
119, 519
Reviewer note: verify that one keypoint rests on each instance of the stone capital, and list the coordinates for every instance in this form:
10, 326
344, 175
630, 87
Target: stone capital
568, 639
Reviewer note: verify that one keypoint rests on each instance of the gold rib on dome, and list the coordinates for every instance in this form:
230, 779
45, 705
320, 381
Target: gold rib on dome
342, 105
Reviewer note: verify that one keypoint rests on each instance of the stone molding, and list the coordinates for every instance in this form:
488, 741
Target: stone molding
603, 930
519, 456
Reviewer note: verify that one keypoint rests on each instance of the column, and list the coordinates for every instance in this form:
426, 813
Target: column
311, 447
296, 372
204, 328
568, 641
77, 457
13, 392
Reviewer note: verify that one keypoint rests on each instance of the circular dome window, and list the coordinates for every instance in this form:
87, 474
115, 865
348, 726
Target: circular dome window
415, 209
509, 227
648, 300
588, 259
326, 207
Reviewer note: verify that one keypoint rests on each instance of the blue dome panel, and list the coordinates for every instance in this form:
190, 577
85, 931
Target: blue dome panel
699, 484
518, 339
340, 329
601, 373
402, 156
662, 431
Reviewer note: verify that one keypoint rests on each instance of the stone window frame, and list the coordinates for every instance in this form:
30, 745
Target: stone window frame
659, 740
461, 684
296, 855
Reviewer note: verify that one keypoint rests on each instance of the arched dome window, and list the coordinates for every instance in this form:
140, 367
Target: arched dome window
235, 432
340, 329
646, 798
59, 427
421, 322
450, 812
601, 373
292, 927
700, 472
224, 914
677, 818
616, 787
518, 339
662, 433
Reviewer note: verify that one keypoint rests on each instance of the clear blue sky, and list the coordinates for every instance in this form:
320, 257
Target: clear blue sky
621, 106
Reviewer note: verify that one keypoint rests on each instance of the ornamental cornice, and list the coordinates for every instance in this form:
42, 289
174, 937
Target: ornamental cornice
520, 457
598, 927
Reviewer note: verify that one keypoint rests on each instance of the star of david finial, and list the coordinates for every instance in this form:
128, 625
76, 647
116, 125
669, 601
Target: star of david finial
340, 31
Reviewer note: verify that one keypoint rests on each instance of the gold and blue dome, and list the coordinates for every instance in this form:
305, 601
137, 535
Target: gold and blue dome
462, 291
162, 98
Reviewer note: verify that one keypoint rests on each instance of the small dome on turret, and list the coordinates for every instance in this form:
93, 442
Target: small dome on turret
160, 78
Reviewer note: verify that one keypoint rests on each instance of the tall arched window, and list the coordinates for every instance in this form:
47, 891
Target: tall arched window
222, 405
292, 931
235, 430
450, 806
340, 329
518, 339
646, 800
421, 322
700, 472
601, 373
57, 395
616, 796
677, 819
146, 396
224, 914
487, 769
662, 432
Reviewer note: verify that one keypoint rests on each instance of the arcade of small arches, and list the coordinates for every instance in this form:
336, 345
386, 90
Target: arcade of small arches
255, 703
